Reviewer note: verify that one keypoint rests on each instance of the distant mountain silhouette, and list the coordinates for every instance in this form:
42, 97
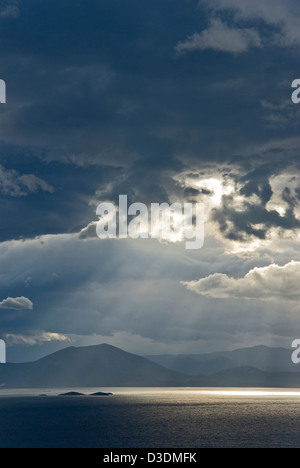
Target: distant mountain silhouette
92, 366
260, 357
194, 364
107, 366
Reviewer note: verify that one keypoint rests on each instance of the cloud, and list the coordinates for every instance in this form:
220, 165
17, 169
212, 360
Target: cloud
35, 338
269, 283
10, 9
16, 303
20, 185
282, 14
280, 115
89, 232
220, 37
244, 206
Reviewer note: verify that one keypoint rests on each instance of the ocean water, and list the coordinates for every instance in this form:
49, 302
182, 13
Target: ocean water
151, 418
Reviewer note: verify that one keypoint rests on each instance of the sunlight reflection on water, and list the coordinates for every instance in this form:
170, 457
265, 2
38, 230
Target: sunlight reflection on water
162, 392
151, 417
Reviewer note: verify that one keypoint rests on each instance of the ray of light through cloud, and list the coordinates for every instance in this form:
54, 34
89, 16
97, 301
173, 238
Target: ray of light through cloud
182, 103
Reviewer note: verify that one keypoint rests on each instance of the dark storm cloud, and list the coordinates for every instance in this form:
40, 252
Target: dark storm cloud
47, 198
191, 192
289, 198
264, 191
84, 77
251, 217
99, 83
241, 224
96, 82
147, 181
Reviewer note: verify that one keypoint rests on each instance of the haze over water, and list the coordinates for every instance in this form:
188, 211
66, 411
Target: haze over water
151, 418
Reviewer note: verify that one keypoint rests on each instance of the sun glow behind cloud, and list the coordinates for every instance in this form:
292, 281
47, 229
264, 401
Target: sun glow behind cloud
246, 215
216, 187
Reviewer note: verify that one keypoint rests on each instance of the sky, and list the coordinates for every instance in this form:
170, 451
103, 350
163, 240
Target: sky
163, 101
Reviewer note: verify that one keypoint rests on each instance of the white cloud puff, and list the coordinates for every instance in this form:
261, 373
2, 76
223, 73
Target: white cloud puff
16, 303
269, 283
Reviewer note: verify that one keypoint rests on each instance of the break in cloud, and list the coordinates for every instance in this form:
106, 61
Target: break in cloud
241, 207
34, 339
269, 283
16, 303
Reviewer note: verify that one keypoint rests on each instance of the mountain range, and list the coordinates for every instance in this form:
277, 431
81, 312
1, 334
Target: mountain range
261, 357
107, 366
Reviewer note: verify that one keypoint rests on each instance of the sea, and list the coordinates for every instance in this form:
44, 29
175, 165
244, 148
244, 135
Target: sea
150, 418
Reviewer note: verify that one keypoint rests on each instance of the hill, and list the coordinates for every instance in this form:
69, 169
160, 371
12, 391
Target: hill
92, 366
